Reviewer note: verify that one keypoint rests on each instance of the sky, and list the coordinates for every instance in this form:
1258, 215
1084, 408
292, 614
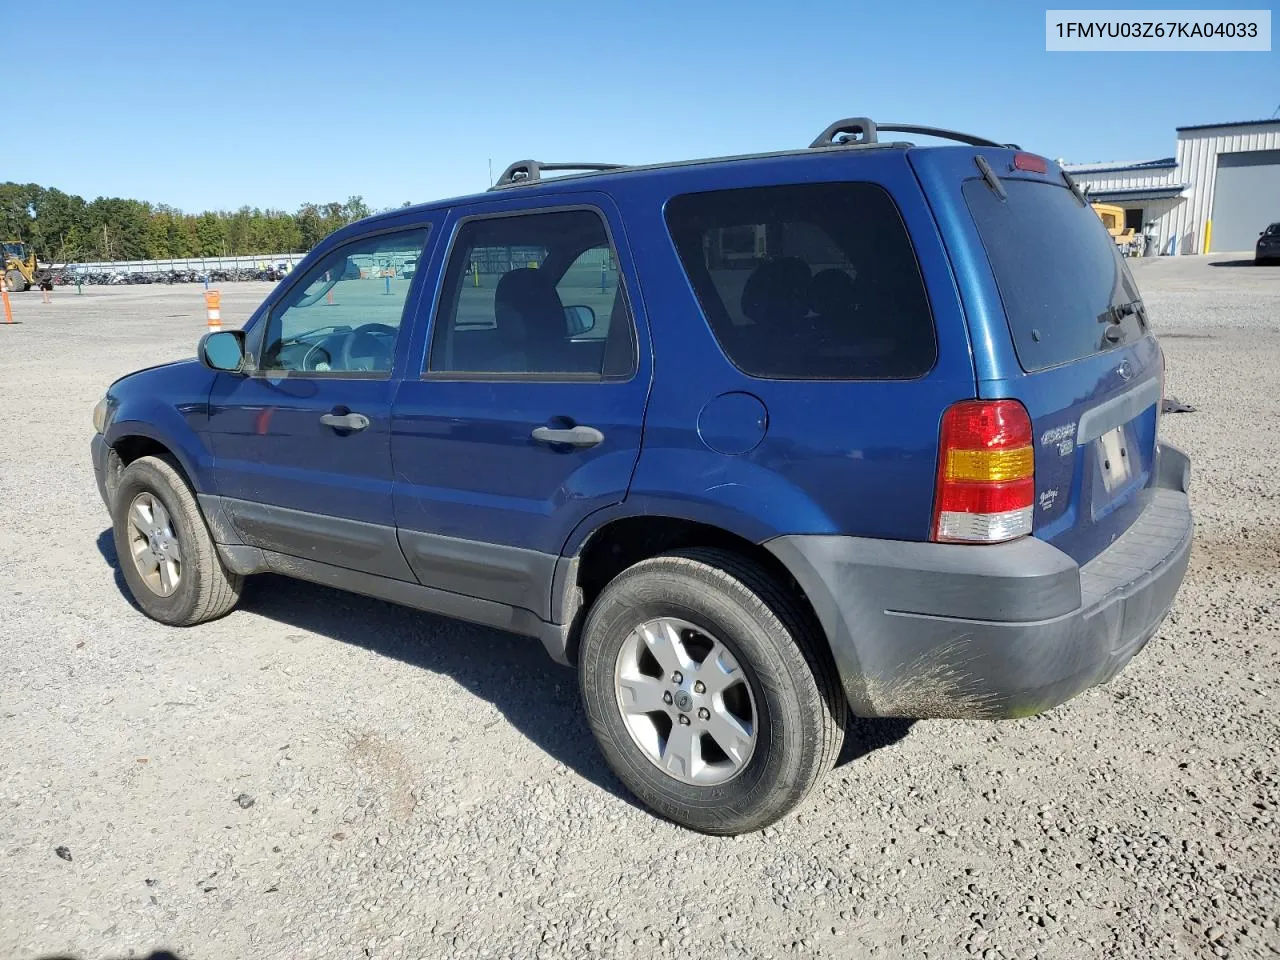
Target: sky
214, 106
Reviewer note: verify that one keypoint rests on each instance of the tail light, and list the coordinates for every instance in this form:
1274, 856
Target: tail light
986, 473
1031, 162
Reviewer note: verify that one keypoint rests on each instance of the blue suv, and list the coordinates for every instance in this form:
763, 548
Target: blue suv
754, 442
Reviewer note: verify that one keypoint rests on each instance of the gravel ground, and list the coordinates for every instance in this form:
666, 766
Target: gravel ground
321, 775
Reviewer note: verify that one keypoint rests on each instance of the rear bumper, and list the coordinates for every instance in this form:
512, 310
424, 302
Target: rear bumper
943, 630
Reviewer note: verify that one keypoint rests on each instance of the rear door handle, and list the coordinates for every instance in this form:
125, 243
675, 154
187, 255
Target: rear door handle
350, 422
572, 436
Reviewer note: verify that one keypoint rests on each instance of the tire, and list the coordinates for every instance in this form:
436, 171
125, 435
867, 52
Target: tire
202, 588
17, 282
796, 706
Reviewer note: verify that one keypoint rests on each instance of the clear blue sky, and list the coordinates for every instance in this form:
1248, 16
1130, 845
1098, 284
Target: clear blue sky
276, 103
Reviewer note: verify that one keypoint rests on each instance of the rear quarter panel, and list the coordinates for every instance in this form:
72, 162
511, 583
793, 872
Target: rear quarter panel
849, 457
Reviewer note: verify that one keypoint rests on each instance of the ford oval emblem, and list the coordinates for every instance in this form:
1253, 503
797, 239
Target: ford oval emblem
1125, 370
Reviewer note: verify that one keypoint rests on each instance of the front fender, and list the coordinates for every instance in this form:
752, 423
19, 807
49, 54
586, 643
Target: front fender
172, 432
170, 406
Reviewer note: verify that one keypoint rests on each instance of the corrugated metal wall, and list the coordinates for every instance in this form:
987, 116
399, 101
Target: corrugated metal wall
1123, 179
1197, 157
1198, 154
1246, 197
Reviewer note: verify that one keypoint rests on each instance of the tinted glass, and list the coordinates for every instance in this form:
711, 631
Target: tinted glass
1058, 271
812, 281
534, 294
343, 316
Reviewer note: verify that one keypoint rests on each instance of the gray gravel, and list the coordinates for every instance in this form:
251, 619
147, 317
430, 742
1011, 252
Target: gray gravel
320, 775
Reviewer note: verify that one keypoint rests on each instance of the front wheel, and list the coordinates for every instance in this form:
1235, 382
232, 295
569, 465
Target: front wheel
17, 281
165, 552
710, 691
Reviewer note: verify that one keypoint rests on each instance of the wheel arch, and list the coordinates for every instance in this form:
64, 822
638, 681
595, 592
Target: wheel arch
131, 439
621, 541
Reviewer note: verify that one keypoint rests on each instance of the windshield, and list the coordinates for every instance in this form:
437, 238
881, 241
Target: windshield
1066, 290
1273, 229
16, 250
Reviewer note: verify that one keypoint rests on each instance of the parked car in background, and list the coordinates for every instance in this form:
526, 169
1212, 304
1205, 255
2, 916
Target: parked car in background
1268, 248
864, 427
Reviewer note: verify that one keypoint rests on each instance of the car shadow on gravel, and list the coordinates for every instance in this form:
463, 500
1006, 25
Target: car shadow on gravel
107, 547
1234, 263
864, 735
158, 955
537, 696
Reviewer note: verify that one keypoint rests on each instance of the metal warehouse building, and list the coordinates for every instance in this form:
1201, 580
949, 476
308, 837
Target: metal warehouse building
1216, 194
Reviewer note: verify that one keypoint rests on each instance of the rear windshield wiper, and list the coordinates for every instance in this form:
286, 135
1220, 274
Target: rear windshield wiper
1118, 311
1075, 188
1115, 314
990, 177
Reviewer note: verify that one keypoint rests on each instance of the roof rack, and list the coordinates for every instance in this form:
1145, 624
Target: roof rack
854, 131
526, 171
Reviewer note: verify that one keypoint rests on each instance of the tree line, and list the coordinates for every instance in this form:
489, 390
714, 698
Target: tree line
65, 228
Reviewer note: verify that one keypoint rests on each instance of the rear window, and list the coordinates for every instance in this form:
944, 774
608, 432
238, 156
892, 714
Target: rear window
807, 282
1058, 270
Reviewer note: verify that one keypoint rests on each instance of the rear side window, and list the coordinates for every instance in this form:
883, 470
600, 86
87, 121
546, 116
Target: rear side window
807, 282
1060, 275
534, 295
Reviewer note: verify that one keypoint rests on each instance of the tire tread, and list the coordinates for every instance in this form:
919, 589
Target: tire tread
217, 589
790, 631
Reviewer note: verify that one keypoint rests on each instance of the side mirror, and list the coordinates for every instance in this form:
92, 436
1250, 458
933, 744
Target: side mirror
222, 351
579, 320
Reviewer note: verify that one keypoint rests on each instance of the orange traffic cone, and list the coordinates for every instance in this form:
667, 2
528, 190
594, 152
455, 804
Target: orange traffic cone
213, 306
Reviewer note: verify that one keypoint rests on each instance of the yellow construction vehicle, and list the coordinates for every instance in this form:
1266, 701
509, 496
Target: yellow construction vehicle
1112, 218
19, 265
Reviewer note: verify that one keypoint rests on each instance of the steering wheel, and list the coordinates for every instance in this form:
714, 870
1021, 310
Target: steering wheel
317, 358
381, 334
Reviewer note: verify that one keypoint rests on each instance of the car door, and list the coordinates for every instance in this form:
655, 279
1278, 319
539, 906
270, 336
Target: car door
527, 414
301, 443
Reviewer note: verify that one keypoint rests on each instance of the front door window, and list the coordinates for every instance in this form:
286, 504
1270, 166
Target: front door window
344, 316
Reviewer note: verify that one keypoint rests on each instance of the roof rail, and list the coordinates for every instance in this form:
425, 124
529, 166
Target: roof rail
526, 171
860, 130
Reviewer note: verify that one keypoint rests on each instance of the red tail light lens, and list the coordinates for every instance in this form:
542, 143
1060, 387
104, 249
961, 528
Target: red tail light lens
986, 473
1030, 162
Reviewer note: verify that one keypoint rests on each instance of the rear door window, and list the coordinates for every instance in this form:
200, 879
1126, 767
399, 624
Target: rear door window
533, 294
1061, 278
807, 281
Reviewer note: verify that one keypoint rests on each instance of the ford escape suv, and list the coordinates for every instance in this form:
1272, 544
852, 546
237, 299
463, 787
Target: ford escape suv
753, 442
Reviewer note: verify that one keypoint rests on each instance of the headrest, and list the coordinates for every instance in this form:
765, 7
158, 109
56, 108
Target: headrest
777, 291
832, 293
531, 296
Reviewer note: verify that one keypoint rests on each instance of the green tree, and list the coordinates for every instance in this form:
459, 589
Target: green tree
62, 227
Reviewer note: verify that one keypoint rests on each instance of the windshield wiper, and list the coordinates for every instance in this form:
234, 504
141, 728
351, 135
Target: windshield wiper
990, 177
1118, 311
1114, 316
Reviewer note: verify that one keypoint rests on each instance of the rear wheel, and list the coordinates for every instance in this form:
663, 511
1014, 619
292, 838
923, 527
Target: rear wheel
164, 548
710, 691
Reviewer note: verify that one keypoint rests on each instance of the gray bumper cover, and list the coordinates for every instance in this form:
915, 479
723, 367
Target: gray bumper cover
943, 630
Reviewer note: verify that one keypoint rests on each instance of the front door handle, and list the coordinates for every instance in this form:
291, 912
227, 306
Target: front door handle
350, 422
571, 436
